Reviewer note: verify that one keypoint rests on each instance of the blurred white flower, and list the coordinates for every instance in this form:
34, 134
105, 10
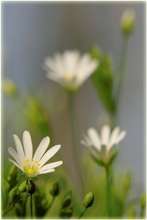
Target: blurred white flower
103, 147
70, 69
29, 164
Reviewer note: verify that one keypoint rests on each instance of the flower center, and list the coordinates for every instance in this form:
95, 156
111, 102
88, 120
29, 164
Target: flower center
69, 77
31, 167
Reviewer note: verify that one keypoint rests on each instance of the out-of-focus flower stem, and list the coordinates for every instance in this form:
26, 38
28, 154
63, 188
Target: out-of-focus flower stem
75, 152
108, 190
122, 69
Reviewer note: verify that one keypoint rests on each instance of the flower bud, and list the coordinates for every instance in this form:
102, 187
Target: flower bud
9, 87
12, 194
22, 187
55, 189
30, 186
12, 173
88, 200
66, 213
127, 22
143, 201
66, 201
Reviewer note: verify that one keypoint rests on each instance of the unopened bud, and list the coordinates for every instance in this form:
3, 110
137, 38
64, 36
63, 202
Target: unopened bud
66, 213
9, 87
30, 187
22, 187
143, 201
127, 21
66, 201
55, 189
95, 52
88, 200
12, 194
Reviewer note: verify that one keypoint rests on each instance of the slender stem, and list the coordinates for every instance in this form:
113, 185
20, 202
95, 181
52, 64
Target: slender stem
31, 205
25, 202
83, 213
74, 149
122, 69
108, 191
50, 205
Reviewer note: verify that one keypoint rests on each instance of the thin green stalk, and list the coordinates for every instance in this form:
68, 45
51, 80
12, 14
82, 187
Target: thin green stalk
83, 213
108, 191
74, 149
122, 69
50, 205
31, 205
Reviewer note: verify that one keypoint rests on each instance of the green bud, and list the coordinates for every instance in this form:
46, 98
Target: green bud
143, 201
22, 187
66, 213
30, 186
12, 194
9, 87
127, 22
66, 201
55, 189
88, 200
12, 173
95, 52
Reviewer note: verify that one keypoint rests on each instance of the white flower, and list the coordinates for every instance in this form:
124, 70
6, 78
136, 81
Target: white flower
29, 164
103, 146
70, 69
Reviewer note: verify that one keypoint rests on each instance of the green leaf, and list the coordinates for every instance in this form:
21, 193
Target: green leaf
103, 81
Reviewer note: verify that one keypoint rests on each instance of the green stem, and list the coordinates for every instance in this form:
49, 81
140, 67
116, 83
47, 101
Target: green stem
108, 191
122, 69
83, 213
74, 149
50, 205
31, 205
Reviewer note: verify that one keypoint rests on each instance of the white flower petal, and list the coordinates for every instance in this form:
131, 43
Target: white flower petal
19, 147
47, 171
27, 142
87, 71
120, 136
41, 148
50, 153
16, 164
49, 63
95, 138
70, 60
83, 142
105, 133
51, 165
15, 155
113, 136
59, 68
